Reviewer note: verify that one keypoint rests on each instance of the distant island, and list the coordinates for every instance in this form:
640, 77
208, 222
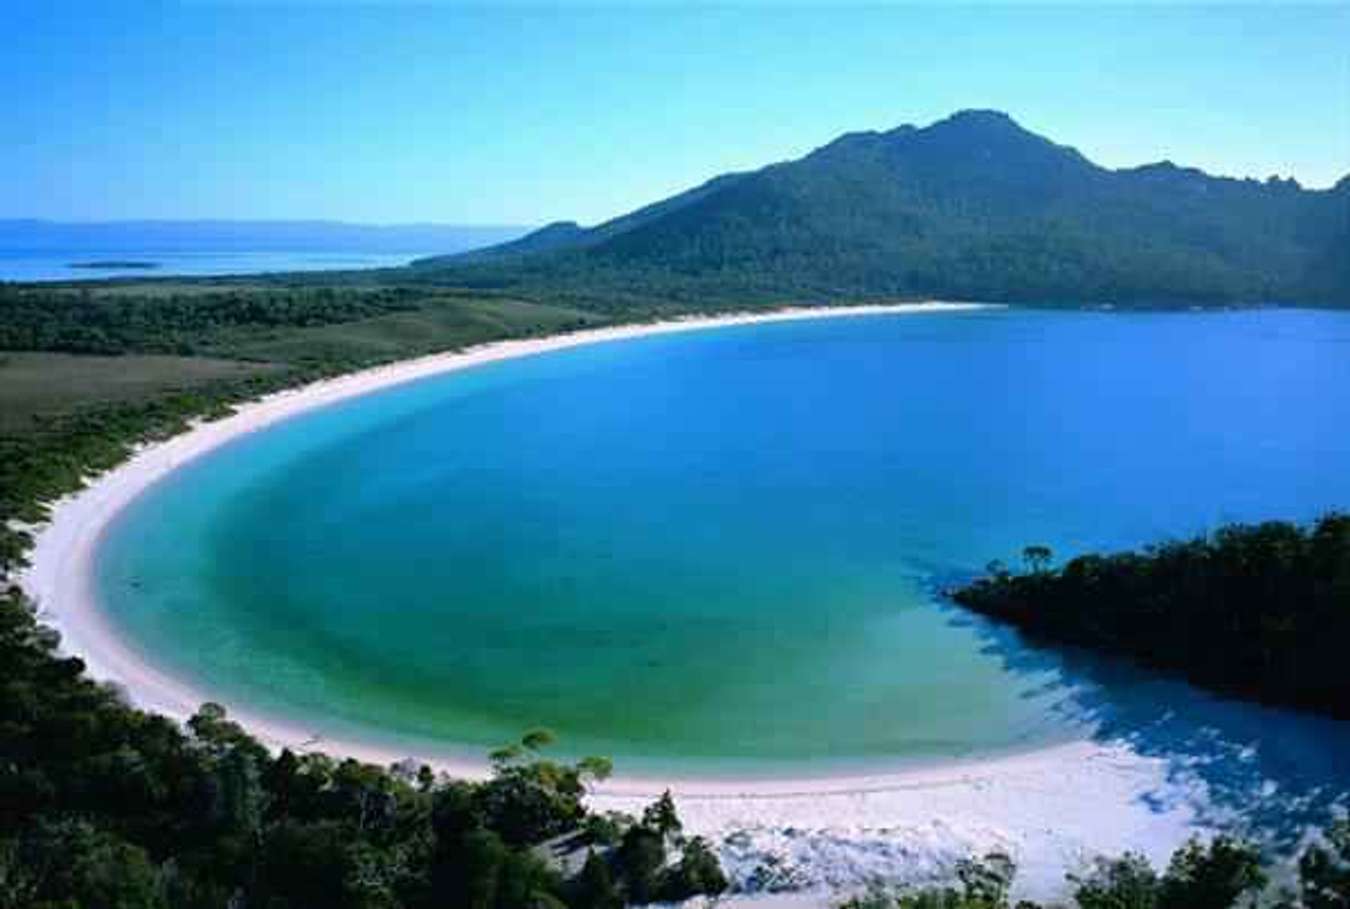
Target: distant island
1257, 611
115, 263
131, 238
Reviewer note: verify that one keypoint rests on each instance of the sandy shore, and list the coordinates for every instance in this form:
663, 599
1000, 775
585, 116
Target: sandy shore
1050, 809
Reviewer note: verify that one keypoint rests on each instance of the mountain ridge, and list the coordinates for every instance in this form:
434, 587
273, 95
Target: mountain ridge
971, 206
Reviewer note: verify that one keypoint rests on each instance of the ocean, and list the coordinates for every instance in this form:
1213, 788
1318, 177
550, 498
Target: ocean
33, 250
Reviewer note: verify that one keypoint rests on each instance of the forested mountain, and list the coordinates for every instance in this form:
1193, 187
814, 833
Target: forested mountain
972, 207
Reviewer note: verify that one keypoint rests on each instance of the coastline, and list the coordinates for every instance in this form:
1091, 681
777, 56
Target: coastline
1051, 808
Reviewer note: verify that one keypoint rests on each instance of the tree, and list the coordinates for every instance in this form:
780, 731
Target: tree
662, 817
697, 872
595, 768
525, 882
304, 864
530, 803
1211, 877
1037, 558
595, 885
1324, 870
639, 859
537, 739
986, 882
69, 862
482, 862
1128, 882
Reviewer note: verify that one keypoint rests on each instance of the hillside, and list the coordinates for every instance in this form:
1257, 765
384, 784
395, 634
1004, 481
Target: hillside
973, 206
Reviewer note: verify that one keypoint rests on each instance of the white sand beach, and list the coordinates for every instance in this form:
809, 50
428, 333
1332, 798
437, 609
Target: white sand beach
1050, 809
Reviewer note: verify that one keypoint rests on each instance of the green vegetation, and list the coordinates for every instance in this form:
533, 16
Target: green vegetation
1259, 611
36, 386
234, 322
32, 318
972, 207
1222, 874
105, 807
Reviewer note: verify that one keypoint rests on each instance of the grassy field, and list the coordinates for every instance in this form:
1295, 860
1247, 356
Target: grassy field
34, 384
150, 361
441, 322
141, 287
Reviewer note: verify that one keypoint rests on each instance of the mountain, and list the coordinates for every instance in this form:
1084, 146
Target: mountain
970, 207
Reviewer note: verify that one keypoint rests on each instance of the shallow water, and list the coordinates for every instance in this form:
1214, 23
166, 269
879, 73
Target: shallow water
715, 551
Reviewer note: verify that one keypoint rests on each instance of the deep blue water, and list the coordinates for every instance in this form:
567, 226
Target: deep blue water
718, 549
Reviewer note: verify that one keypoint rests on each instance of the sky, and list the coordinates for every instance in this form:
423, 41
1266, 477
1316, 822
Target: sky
391, 112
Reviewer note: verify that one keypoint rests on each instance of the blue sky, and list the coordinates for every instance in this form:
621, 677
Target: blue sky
392, 112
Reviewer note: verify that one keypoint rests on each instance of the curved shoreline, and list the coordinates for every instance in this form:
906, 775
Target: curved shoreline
1050, 807
60, 579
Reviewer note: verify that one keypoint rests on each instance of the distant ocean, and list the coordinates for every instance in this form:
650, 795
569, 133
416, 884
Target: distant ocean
59, 265
32, 250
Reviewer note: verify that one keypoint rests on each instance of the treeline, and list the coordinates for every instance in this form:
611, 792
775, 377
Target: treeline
81, 321
105, 807
1221, 874
1259, 611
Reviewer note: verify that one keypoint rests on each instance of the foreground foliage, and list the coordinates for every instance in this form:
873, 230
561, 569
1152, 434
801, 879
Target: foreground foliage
1260, 611
1222, 874
104, 807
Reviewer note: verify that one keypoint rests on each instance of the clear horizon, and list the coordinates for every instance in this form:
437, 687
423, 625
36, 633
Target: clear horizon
461, 115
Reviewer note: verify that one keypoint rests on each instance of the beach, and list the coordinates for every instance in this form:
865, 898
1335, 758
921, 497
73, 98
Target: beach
1050, 809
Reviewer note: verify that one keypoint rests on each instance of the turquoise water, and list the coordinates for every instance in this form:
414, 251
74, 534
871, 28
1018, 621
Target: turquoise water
717, 550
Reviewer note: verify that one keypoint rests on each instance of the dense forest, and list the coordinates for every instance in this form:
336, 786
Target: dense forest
1260, 611
81, 321
973, 207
